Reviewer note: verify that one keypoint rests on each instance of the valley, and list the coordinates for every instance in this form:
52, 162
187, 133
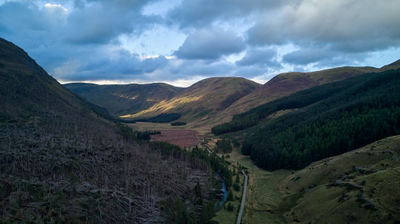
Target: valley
319, 147
283, 196
199, 112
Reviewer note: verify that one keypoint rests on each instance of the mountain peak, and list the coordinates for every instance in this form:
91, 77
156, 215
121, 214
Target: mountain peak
393, 65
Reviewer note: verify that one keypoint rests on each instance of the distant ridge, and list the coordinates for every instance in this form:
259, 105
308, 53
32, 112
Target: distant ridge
202, 99
211, 101
287, 83
394, 65
123, 99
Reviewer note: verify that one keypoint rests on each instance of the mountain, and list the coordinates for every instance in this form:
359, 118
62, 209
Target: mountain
323, 121
203, 99
394, 65
211, 101
124, 99
62, 162
288, 83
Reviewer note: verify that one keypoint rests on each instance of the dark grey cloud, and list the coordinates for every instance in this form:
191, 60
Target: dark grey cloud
25, 18
322, 57
122, 66
101, 21
200, 13
308, 55
72, 44
251, 71
260, 57
200, 68
210, 44
91, 22
346, 25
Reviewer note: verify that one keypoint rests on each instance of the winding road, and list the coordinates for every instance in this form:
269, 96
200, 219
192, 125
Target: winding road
239, 219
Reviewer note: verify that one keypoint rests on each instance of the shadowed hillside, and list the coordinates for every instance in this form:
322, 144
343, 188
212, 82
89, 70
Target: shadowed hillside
357, 187
61, 162
288, 83
123, 99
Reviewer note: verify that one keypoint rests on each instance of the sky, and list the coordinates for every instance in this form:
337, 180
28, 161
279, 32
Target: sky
183, 41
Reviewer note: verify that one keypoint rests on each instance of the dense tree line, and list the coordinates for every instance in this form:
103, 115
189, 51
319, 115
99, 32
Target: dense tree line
178, 123
339, 117
162, 118
223, 146
137, 136
297, 100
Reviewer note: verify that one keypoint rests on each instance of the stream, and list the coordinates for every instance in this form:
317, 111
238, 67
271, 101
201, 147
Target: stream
224, 190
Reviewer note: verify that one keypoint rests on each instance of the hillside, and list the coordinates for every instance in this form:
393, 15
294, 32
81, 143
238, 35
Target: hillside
394, 65
60, 162
202, 100
209, 102
360, 186
319, 122
288, 83
123, 99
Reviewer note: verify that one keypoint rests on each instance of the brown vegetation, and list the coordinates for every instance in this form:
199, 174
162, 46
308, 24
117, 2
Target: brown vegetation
61, 162
181, 138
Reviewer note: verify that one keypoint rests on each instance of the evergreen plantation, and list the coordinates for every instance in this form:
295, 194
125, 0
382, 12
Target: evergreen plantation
323, 121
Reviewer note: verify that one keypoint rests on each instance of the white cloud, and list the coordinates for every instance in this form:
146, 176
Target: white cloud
55, 7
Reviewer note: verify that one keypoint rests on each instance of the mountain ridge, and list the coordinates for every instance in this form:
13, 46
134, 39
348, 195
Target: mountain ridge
322, 121
203, 98
285, 84
121, 99
216, 100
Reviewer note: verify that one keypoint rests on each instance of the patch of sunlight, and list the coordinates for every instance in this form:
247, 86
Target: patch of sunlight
164, 106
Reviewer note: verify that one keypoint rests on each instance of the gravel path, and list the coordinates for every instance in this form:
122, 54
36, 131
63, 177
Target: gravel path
239, 219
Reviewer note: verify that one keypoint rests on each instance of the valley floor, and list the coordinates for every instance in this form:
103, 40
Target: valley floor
360, 186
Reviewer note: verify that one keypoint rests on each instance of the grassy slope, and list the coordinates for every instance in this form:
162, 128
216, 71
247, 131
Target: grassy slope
123, 99
309, 195
203, 99
324, 201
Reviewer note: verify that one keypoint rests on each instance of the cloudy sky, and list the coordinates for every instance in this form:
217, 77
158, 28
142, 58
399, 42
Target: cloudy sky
183, 41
